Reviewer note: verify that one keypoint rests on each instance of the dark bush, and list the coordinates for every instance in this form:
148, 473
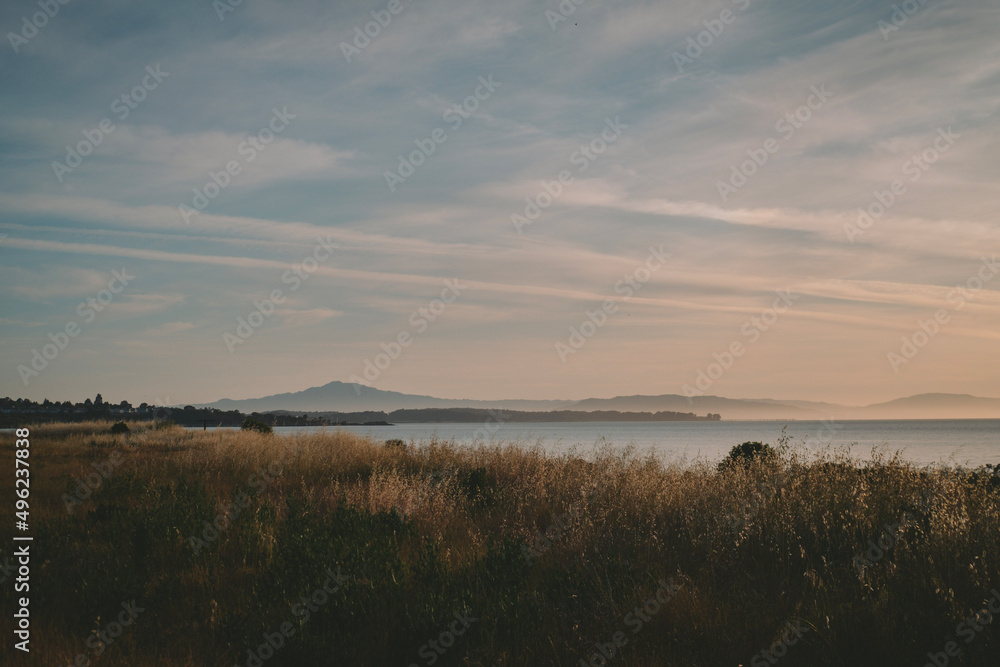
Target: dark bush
254, 425
747, 453
119, 428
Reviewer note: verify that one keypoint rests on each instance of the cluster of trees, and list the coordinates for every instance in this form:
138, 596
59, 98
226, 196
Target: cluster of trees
192, 416
22, 411
24, 405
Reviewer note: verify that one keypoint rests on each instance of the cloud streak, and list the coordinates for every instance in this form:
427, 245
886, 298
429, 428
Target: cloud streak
322, 178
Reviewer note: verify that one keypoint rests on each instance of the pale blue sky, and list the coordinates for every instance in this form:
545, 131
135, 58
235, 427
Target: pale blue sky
657, 184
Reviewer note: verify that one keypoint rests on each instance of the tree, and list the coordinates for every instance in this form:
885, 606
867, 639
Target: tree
250, 424
747, 453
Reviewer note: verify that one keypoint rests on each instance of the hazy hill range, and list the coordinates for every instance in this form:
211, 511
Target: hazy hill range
346, 397
343, 397
921, 406
729, 408
929, 406
482, 416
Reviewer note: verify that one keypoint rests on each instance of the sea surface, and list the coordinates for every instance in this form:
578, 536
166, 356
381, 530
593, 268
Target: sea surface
957, 442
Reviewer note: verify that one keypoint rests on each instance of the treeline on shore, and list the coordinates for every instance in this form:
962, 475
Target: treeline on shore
21, 412
24, 412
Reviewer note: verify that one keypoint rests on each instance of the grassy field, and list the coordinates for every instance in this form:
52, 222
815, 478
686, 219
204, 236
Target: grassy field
331, 549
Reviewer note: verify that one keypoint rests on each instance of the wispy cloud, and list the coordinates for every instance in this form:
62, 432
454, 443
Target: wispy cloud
321, 180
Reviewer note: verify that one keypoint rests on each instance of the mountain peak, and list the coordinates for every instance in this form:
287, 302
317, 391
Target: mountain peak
348, 397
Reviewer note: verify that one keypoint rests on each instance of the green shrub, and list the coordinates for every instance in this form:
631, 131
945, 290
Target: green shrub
250, 424
119, 428
748, 453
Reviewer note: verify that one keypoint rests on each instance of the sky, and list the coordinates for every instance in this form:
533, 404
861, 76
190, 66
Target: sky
494, 200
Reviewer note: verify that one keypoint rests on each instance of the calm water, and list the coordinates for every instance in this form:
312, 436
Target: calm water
968, 442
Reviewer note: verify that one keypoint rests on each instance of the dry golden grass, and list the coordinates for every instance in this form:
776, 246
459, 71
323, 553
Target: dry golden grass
428, 529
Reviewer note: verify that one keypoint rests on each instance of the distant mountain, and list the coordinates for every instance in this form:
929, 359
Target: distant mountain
934, 406
482, 416
818, 406
344, 397
729, 408
922, 406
